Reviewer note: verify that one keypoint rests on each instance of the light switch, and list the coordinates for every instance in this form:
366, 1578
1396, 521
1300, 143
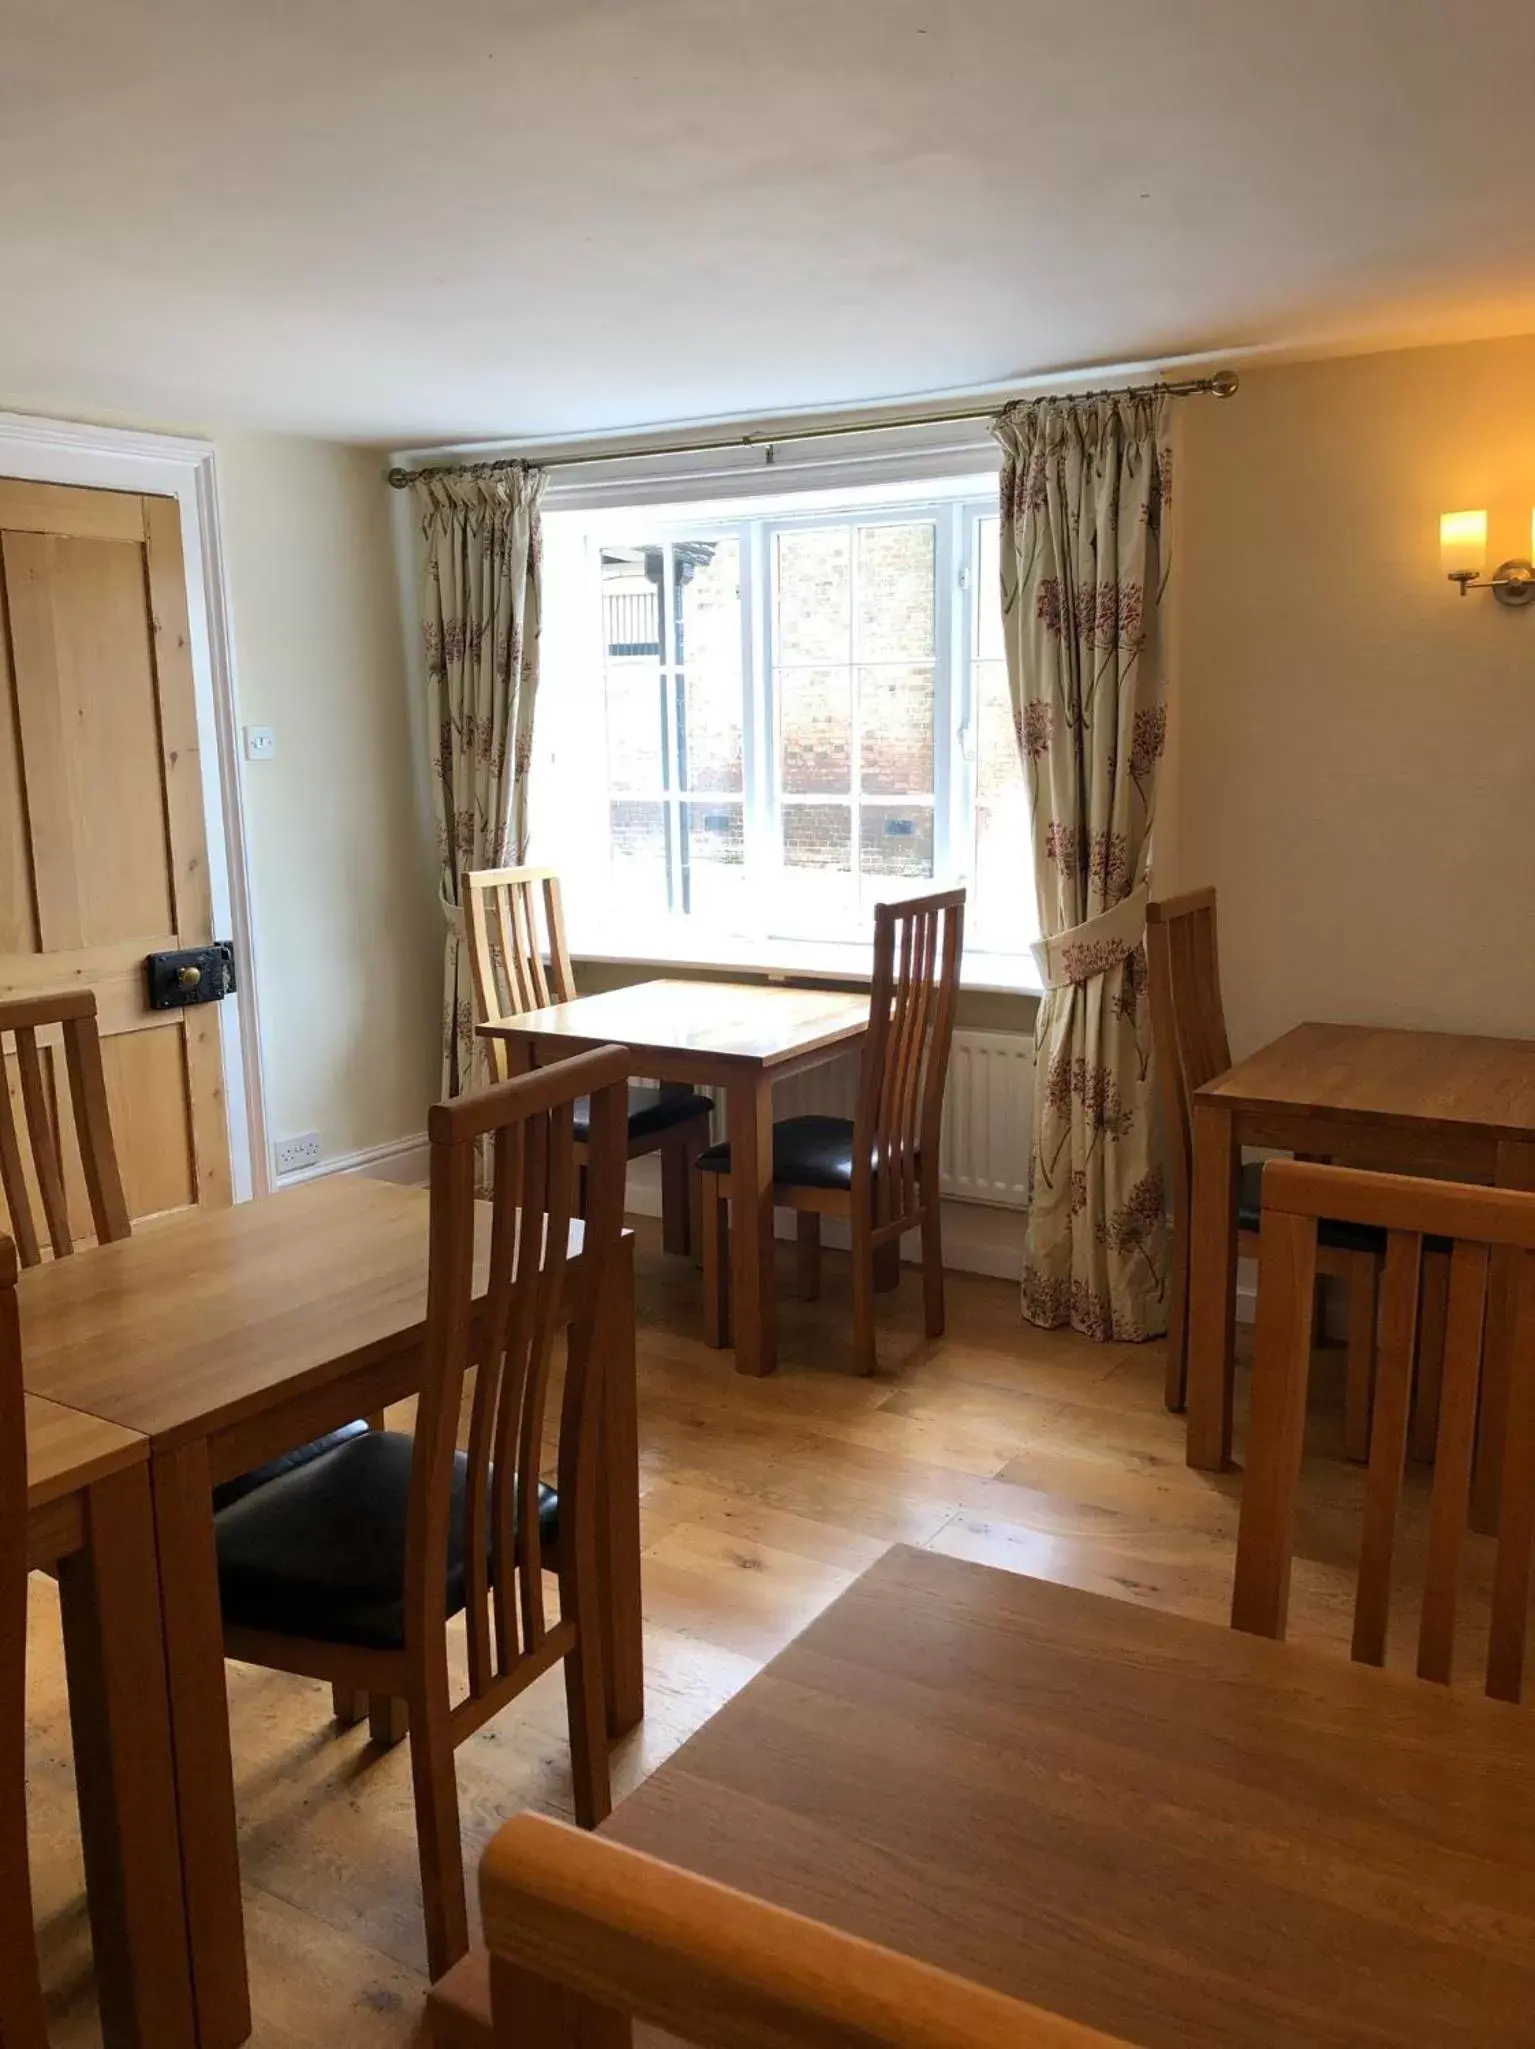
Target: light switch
260, 743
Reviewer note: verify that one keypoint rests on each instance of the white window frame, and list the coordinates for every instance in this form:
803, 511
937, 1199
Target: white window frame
955, 503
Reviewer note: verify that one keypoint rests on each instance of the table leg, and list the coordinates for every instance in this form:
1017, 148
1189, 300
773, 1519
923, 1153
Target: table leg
194, 1645
1514, 1168
119, 1715
1212, 1286
618, 1506
749, 1111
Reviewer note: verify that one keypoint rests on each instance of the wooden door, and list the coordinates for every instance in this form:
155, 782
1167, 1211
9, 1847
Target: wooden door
103, 853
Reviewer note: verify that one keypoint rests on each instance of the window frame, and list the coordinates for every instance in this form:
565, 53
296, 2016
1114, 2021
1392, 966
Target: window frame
956, 515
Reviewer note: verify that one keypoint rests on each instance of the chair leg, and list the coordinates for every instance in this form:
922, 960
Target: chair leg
1175, 1385
863, 1298
388, 1720
716, 1246
887, 1267
807, 1255
439, 1844
347, 1704
1363, 1284
932, 1270
587, 1711
675, 1200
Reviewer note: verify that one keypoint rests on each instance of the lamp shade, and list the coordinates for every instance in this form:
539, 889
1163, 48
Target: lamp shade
1463, 543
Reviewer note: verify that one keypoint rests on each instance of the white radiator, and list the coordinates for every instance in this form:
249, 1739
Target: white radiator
985, 1152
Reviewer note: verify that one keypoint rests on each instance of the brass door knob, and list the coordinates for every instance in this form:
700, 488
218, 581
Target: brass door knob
189, 977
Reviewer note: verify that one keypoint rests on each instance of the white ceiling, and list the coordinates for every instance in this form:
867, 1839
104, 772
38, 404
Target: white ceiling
403, 221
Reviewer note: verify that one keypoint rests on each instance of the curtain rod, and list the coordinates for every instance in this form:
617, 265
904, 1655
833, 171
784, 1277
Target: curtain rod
1221, 385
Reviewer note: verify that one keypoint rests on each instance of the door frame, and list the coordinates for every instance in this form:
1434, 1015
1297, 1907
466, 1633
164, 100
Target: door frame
47, 451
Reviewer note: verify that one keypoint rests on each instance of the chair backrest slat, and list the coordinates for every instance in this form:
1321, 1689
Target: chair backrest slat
1488, 1228
528, 1298
42, 1135
1465, 1321
22, 2022
518, 956
1516, 1511
13, 1179
37, 1028
1395, 1347
586, 1936
918, 946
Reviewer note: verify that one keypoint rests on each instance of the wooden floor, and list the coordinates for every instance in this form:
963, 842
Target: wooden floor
762, 1499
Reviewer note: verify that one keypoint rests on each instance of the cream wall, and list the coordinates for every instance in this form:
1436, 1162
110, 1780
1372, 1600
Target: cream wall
348, 935
1356, 743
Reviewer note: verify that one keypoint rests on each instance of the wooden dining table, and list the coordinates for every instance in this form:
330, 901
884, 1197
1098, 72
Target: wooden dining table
223, 1338
737, 1036
1180, 1835
90, 1520
1411, 1102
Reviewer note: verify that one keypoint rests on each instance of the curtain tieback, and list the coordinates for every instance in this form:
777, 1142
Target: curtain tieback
1095, 946
454, 913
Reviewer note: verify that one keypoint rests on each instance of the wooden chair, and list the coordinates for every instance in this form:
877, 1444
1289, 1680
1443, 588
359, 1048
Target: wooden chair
350, 1568
22, 2021
1490, 1229
1188, 1026
520, 961
586, 1938
878, 1168
35, 1027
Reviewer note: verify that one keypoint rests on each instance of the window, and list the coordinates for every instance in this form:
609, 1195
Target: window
767, 724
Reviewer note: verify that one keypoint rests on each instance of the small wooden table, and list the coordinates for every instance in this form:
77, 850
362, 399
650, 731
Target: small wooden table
741, 1037
89, 1517
1413, 1102
226, 1337
1169, 1831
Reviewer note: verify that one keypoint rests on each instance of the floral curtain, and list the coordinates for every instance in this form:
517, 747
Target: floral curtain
1085, 486
479, 627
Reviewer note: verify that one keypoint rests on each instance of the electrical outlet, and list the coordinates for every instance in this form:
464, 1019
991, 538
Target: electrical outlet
294, 1153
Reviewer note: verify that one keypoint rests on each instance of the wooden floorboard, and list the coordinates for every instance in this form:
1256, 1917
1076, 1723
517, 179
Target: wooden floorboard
1036, 1452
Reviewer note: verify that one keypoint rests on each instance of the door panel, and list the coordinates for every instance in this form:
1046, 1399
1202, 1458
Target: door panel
87, 708
103, 855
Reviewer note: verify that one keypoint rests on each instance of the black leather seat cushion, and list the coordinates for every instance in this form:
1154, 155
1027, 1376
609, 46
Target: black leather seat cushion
1342, 1237
319, 1552
228, 1492
808, 1152
650, 1111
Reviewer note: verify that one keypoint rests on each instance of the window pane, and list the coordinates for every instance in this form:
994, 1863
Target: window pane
895, 839
631, 602
631, 638
635, 754
895, 722
815, 716
637, 835
813, 602
714, 853
708, 609
818, 836
895, 592
988, 591
815, 893
1002, 912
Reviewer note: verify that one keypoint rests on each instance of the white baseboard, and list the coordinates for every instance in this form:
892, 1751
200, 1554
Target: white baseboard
399, 1159
978, 1238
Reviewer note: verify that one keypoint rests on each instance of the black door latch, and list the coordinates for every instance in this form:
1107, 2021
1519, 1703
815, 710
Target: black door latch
197, 974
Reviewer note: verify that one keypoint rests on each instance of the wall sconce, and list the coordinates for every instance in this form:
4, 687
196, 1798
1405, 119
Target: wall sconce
1463, 557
